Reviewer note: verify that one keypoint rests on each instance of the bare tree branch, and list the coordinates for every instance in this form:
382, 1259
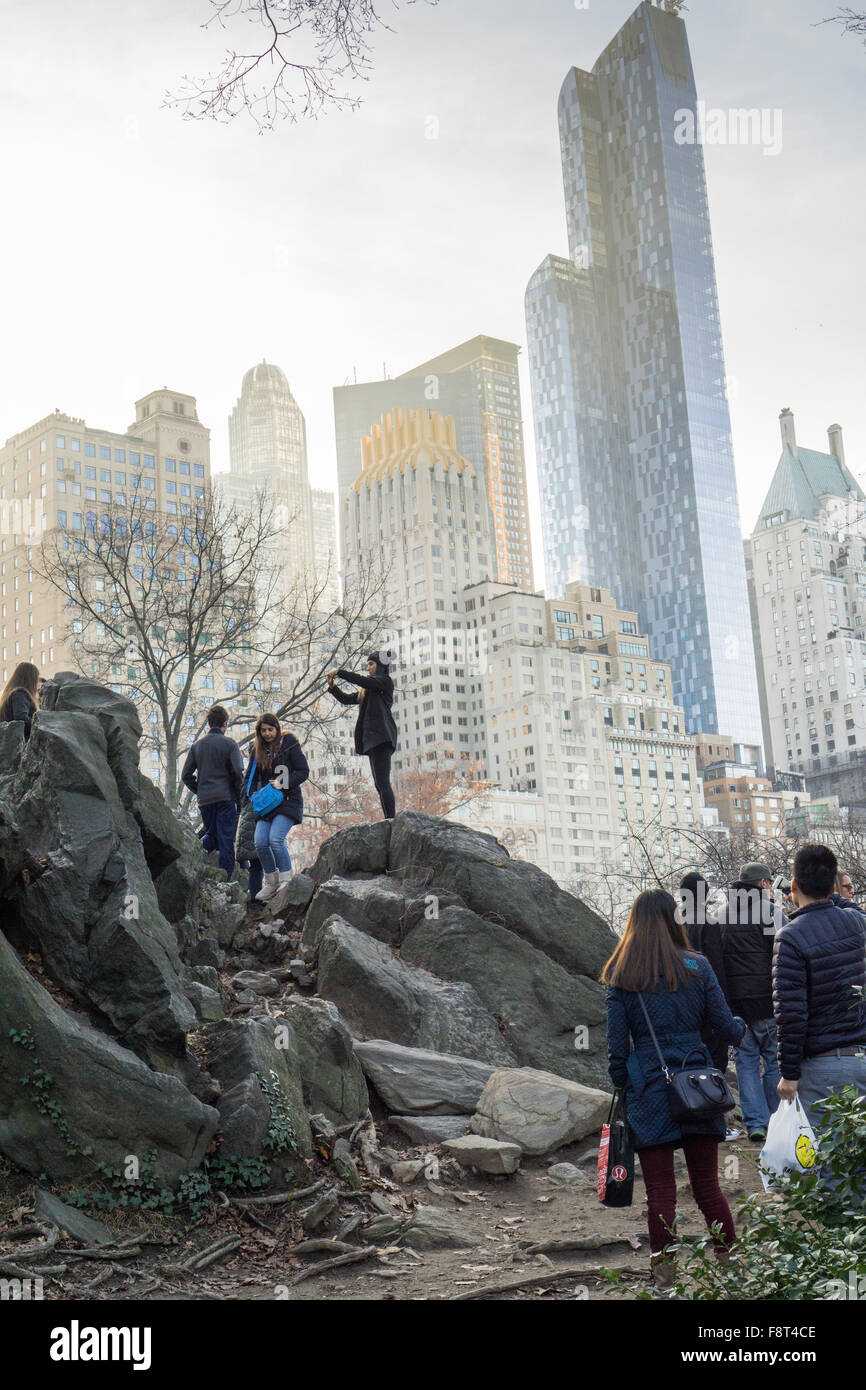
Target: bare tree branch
305, 59
182, 613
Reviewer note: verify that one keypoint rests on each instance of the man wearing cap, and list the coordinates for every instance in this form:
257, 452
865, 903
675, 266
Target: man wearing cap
747, 925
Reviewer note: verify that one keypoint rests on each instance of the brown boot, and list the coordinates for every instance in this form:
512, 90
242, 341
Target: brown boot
664, 1273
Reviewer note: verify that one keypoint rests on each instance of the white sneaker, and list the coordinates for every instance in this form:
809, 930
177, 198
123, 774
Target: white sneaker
286, 875
270, 884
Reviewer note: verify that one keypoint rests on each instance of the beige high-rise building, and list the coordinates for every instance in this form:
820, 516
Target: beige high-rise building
418, 509
268, 453
63, 473
492, 364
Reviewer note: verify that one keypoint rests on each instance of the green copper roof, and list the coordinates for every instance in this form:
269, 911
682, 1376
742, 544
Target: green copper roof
800, 481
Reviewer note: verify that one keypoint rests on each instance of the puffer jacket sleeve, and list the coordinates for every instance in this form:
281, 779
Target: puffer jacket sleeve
727, 1026
299, 768
617, 1036
790, 1004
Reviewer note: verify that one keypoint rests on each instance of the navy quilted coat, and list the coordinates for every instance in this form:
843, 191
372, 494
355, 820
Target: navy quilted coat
678, 1017
819, 962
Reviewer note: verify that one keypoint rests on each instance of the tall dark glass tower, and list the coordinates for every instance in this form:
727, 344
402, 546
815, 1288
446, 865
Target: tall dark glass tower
628, 382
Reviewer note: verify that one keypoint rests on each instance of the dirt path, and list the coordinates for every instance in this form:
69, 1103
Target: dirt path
501, 1217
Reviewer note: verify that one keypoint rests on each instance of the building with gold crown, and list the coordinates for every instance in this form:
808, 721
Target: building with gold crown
419, 510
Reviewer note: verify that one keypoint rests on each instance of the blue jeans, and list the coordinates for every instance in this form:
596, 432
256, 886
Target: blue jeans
220, 820
758, 1094
271, 844
821, 1075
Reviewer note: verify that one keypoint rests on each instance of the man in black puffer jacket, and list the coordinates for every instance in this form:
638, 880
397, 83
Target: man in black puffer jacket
819, 988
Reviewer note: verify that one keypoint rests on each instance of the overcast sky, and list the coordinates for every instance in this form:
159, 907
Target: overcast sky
140, 250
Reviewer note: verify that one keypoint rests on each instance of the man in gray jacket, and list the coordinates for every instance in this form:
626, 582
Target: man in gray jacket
214, 771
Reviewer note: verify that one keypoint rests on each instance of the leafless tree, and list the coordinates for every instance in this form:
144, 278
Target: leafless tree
852, 21
305, 58
658, 859
183, 613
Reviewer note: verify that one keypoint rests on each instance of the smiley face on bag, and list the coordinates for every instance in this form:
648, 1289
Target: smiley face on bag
804, 1150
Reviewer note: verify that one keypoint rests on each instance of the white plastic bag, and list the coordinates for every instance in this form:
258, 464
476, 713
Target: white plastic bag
790, 1142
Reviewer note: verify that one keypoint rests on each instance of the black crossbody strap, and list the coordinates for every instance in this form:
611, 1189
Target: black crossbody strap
654, 1038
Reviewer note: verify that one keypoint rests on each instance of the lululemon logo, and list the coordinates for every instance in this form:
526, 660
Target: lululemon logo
618, 1174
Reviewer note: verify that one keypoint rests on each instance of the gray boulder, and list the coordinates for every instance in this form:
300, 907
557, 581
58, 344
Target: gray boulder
537, 1110
258, 1068
173, 853
375, 906
93, 913
108, 1101
380, 997
359, 849
514, 893
331, 1075
291, 899
118, 718
538, 1002
430, 1129
414, 1081
487, 1155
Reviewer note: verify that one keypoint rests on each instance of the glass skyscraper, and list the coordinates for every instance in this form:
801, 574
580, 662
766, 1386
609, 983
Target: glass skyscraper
631, 415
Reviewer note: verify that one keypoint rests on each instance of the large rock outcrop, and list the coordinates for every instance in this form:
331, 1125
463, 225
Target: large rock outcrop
441, 964
381, 997
70, 1097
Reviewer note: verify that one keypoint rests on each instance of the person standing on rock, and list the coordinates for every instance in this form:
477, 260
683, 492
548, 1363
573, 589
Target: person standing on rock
20, 698
375, 730
213, 771
278, 761
654, 963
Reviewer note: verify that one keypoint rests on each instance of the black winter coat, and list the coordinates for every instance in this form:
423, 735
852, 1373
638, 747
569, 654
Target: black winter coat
818, 964
678, 1017
375, 723
747, 927
19, 705
295, 769
705, 938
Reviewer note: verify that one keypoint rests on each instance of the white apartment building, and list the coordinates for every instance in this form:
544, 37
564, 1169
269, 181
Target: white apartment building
577, 728
806, 565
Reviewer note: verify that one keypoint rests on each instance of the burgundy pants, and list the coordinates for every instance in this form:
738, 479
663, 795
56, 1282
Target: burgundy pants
702, 1160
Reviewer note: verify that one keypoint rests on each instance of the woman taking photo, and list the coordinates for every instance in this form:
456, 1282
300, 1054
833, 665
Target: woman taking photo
375, 730
683, 998
277, 761
20, 698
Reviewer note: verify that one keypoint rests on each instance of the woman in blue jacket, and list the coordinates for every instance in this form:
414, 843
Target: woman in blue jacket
683, 998
278, 759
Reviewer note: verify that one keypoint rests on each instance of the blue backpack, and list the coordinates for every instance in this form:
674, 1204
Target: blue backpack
266, 799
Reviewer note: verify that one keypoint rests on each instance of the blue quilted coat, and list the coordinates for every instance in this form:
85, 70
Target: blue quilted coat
678, 1017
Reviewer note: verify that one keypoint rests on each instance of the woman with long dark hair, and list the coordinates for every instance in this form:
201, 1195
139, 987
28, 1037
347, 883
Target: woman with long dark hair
653, 962
277, 760
20, 698
375, 730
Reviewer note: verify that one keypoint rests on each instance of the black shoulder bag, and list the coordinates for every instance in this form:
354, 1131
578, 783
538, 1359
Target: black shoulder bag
694, 1093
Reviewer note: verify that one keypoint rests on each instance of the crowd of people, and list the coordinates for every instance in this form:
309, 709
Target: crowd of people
248, 813
692, 978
